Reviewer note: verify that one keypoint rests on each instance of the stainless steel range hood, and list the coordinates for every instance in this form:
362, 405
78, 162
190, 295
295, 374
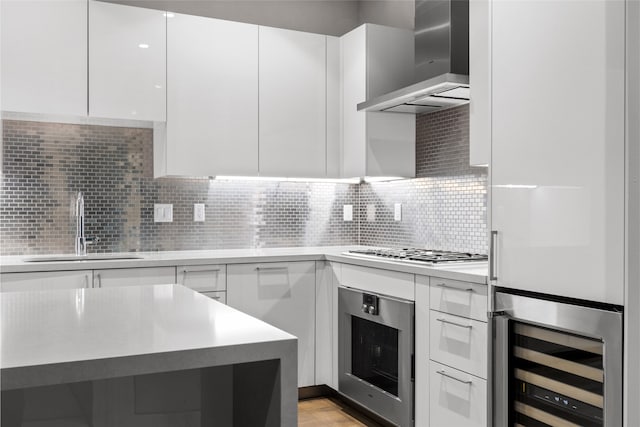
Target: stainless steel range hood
441, 58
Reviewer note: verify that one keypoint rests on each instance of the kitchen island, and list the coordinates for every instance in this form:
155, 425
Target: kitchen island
156, 355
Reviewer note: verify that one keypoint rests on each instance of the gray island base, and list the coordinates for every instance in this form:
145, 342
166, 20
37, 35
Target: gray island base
160, 355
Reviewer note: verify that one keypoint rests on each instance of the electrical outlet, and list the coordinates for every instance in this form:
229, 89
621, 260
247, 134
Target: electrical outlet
198, 212
371, 213
397, 212
162, 212
347, 212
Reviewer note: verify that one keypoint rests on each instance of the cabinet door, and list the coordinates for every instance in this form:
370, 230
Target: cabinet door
44, 56
480, 82
375, 60
456, 398
45, 280
212, 97
203, 278
557, 166
283, 295
292, 103
134, 276
127, 62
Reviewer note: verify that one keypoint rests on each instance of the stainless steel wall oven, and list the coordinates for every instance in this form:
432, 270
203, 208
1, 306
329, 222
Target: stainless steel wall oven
556, 363
376, 353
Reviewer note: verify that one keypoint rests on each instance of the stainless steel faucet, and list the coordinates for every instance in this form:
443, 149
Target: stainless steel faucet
81, 240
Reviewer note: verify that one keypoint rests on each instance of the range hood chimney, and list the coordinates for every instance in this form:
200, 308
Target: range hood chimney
441, 61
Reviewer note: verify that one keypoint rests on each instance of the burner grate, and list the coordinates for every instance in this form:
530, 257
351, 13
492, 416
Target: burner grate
427, 256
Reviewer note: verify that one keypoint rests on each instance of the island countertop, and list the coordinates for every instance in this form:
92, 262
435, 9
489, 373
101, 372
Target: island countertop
62, 336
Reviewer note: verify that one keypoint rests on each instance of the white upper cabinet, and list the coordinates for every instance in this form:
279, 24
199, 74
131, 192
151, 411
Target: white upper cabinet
44, 56
557, 162
375, 60
212, 98
127, 62
480, 82
293, 108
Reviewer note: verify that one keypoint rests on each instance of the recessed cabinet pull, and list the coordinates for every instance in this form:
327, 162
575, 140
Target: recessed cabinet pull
443, 285
445, 374
460, 325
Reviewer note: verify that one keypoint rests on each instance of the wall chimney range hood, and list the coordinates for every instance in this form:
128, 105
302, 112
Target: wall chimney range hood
441, 61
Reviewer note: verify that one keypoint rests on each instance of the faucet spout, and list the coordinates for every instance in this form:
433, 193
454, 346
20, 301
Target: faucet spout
81, 243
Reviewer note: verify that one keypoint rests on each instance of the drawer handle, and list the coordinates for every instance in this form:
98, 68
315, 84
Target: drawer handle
445, 374
442, 285
99, 280
215, 297
271, 268
212, 270
460, 325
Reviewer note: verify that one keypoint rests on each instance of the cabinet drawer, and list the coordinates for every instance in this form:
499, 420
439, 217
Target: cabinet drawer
203, 278
386, 282
459, 298
456, 398
218, 296
45, 280
108, 278
458, 342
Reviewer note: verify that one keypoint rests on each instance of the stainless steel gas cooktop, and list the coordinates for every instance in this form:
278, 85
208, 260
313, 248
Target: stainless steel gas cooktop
423, 256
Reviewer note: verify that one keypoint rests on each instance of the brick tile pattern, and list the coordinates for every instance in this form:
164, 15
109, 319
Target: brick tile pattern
445, 207
45, 164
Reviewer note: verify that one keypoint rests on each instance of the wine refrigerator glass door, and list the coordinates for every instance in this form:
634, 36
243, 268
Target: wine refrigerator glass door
557, 364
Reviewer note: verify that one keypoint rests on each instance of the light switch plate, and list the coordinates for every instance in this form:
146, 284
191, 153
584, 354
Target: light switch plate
198, 212
162, 212
347, 212
397, 212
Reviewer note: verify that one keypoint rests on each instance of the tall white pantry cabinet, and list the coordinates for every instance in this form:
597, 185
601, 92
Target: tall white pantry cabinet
557, 142
555, 108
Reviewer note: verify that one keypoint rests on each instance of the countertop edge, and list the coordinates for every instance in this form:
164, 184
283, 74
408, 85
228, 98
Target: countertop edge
177, 258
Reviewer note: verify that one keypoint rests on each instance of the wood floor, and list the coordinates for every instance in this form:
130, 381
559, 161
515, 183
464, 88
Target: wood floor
327, 412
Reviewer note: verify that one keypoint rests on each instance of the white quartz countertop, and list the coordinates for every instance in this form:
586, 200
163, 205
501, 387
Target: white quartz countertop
472, 272
71, 335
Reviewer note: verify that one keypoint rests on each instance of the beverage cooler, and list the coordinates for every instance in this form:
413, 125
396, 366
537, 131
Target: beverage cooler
556, 363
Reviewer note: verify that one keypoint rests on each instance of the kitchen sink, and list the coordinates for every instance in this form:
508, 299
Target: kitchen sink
92, 257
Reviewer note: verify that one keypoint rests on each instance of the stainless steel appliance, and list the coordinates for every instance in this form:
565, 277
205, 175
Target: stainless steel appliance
556, 363
376, 353
441, 61
421, 256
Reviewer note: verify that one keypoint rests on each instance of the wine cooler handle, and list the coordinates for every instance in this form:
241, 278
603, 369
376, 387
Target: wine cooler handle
498, 397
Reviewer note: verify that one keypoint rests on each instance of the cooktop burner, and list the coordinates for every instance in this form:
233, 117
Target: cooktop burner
426, 256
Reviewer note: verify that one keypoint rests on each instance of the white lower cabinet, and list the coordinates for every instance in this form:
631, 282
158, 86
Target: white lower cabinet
203, 278
218, 296
283, 295
45, 280
112, 277
456, 398
458, 341
451, 353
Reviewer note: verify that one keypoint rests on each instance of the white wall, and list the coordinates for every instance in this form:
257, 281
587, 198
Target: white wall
394, 13
333, 17
632, 297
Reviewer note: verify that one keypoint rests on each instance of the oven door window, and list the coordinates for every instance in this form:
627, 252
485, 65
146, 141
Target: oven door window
374, 354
